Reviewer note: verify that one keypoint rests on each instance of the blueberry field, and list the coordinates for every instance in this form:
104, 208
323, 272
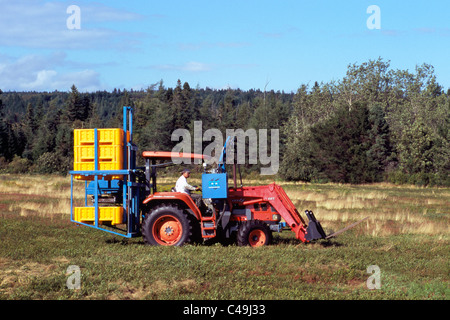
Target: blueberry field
401, 252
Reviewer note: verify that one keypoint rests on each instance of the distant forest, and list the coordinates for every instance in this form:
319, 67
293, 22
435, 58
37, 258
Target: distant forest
376, 124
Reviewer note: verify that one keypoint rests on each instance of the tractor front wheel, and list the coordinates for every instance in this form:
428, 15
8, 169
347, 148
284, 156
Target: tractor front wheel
166, 225
254, 233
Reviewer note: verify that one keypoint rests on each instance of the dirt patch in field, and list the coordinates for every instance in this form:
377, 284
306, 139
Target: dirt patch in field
13, 276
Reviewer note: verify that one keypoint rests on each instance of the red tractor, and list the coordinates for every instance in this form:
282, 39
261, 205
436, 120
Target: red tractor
247, 215
125, 200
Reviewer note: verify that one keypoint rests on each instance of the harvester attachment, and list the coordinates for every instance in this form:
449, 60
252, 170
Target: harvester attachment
314, 230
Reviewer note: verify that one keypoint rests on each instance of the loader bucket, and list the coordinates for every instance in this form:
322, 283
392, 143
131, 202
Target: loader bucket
314, 231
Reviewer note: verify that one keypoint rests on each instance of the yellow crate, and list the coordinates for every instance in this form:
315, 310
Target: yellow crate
110, 151
105, 136
109, 157
113, 215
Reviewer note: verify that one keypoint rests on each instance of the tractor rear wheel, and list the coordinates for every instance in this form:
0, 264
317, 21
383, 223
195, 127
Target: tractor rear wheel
166, 225
254, 233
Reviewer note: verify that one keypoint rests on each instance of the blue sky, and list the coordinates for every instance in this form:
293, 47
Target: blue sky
245, 44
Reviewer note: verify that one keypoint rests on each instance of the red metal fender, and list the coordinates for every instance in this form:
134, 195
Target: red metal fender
175, 196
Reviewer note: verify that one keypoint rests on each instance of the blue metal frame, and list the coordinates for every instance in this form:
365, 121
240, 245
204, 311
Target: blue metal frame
131, 189
223, 156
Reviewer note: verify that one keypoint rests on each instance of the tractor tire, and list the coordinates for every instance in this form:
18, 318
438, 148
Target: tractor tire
254, 233
166, 225
196, 231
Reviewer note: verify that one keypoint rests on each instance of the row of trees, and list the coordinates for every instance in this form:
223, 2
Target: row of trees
375, 124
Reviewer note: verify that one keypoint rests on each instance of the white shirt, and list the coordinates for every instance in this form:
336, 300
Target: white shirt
183, 186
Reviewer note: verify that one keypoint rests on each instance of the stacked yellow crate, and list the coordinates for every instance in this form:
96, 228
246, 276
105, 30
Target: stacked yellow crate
110, 151
110, 154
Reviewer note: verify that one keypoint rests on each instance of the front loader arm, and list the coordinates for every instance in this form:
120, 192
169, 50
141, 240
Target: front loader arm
284, 206
279, 200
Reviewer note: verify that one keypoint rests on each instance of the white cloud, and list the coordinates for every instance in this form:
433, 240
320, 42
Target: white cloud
39, 24
43, 78
85, 80
39, 27
44, 73
196, 66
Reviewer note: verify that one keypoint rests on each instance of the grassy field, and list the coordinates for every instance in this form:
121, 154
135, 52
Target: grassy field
406, 236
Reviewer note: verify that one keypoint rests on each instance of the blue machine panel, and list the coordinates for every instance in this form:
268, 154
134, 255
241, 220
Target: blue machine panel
105, 186
214, 185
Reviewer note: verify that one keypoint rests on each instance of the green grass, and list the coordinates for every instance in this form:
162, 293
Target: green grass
36, 250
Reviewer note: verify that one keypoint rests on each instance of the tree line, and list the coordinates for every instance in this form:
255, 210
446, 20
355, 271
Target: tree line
375, 124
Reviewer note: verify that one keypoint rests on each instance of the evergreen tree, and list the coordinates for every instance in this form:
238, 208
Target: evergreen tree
227, 112
207, 113
78, 107
380, 150
180, 106
6, 136
340, 146
30, 120
6, 140
156, 135
74, 104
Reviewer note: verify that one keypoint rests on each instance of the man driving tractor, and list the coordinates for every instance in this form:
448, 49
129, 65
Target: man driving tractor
183, 186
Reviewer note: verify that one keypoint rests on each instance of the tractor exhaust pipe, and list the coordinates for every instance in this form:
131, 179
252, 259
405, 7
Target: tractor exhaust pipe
314, 231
